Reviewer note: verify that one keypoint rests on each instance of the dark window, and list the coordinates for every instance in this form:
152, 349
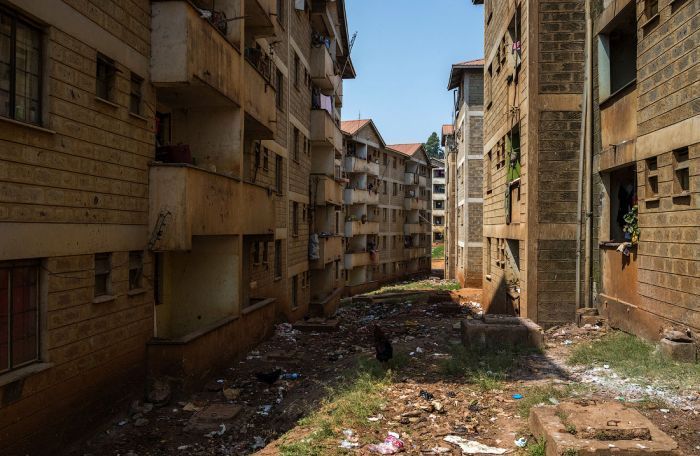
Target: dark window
136, 94
103, 274
19, 314
105, 78
278, 174
158, 278
618, 53
439, 204
295, 144
652, 175
135, 270
439, 188
265, 254
281, 11
20, 69
295, 292
297, 70
278, 259
279, 95
256, 252
651, 8
681, 171
295, 218
266, 159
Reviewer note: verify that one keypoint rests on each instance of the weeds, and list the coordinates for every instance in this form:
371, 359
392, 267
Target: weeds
536, 448
419, 285
439, 252
633, 357
537, 395
485, 368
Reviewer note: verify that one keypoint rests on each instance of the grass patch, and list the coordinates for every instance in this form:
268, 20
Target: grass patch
439, 252
633, 357
347, 406
537, 395
536, 448
486, 368
419, 285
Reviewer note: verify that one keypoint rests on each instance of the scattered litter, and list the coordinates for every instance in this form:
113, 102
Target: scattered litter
606, 366
664, 410
190, 407
292, 376
374, 419
264, 410
517, 396
521, 442
123, 422
258, 443
220, 432
440, 450
350, 440
419, 350
553, 401
426, 395
568, 342
391, 445
473, 447
183, 447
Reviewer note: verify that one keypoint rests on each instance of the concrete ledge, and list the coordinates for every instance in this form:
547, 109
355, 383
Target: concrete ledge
504, 330
684, 352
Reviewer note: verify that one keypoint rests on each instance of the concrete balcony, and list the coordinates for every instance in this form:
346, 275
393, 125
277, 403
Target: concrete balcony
357, 196
330, 250
192, 62
357, 260
323, 71
192, 201
357, 228
258, 18
412, 228
330, 192
359, 165
412, 204
324, 130
260, 95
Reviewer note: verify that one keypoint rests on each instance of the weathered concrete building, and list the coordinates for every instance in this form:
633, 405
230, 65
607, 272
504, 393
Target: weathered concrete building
387, 218
533, 81
158, 166
439, 199
645, 231
464, 149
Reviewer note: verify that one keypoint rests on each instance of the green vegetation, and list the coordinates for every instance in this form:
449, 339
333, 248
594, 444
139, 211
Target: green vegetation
420, 285
439, 252
636, 358
537, 395
485, 368
345, 407
536, 448
432, 146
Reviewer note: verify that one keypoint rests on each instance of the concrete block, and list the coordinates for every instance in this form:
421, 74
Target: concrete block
593, 428
684, 352
502, 330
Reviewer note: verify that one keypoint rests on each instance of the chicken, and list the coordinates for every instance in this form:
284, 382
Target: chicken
269, 377
382, 345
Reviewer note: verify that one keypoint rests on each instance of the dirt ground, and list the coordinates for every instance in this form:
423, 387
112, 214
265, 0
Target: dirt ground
424, 330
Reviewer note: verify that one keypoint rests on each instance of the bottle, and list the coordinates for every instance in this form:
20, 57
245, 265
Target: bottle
293, 376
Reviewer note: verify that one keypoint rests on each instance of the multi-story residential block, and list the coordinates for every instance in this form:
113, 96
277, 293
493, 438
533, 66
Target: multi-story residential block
164, 168
387, 218
533, 82
439, 199
644, 189
464, 152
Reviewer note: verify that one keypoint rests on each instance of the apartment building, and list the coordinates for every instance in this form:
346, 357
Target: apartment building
157, 206
464, 155
644, 187
533, 83
387, 215
439, 199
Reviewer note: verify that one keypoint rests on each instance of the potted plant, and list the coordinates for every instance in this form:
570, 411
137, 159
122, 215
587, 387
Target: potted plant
631, 228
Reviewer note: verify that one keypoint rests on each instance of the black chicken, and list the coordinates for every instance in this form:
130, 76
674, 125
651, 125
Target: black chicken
269, 377
382, 345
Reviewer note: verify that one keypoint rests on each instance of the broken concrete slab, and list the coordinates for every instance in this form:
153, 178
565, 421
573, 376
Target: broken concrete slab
681, 351
212, 417
504, 330
317, 325
598, 428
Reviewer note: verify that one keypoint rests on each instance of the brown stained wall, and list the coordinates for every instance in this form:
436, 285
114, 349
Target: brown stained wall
562, 36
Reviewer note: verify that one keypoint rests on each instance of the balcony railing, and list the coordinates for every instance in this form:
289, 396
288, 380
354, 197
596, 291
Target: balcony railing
358, 228
359, 259
262, 62
360, 196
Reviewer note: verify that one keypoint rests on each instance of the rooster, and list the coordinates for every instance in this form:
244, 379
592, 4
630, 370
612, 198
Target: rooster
382, 345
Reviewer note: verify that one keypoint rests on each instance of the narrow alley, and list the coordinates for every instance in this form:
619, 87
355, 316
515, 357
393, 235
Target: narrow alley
328, 395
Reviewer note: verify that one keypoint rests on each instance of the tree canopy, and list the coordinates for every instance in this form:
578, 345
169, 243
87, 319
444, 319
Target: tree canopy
432, 146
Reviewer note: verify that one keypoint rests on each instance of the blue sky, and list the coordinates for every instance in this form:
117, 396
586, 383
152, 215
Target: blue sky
403, 53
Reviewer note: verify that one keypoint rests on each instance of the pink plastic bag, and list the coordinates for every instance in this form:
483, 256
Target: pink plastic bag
391, 445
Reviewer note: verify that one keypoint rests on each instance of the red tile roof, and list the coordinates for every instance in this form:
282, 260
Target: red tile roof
350, 127
406, 149
471, 63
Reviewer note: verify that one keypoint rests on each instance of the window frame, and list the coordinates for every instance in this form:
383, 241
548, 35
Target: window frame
138, 268
111, 76
278, 259
15, 18
107, 273
279, 177
135, 78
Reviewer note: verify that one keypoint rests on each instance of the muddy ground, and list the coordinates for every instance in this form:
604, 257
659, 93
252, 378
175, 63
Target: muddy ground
423, 327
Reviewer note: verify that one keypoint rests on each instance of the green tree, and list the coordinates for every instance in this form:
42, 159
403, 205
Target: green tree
432, 146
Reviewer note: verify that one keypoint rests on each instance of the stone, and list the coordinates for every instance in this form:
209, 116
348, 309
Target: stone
141, 422
684, 352
212, 417
159, 392
677, 336
591, 427
231, 394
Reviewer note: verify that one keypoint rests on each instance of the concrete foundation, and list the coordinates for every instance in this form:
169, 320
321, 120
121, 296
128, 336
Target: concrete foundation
684, 352
593, 428
504, 330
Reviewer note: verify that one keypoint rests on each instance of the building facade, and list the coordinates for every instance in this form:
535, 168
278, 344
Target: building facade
533, 83
464, 151
439, 202
645, 231
161, 167
387, 210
